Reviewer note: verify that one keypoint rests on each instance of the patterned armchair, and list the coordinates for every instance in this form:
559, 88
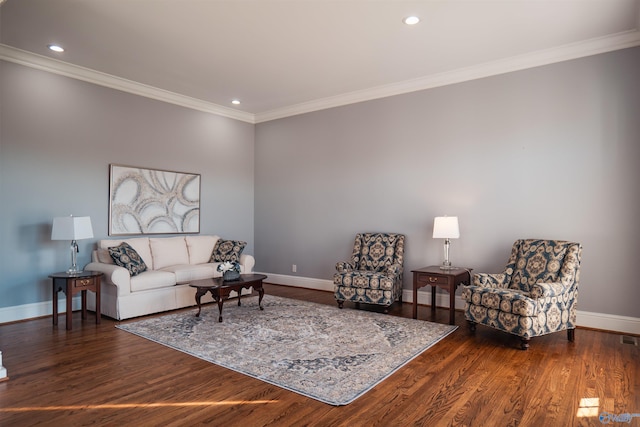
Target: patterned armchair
535, 295
374, 275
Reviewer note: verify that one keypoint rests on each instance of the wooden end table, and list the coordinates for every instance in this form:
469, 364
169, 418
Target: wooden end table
71, 284
436, 277
220, 289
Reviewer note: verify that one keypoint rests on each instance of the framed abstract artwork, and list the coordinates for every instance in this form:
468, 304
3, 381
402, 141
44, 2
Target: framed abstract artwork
153, 201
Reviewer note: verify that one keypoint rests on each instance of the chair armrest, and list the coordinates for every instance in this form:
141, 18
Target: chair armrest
114, 275
490, 280
551, 289
343, 267
393, 269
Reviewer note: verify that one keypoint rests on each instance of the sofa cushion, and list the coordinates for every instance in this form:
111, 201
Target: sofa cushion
200, 248
140, 244
104, 256
189, 272
152, 279
125, 256
227, 250
168, 251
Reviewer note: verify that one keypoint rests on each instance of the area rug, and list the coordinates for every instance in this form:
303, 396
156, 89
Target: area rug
319, 351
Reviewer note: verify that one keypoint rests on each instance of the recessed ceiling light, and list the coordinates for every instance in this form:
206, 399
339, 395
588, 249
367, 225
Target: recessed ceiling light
235, 102
411, 20
56, 48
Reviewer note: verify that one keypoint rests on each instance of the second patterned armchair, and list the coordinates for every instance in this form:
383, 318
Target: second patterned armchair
536, 294
374, 274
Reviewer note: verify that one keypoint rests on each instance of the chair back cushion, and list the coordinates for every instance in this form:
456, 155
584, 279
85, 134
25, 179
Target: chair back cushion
541, 261
377, 251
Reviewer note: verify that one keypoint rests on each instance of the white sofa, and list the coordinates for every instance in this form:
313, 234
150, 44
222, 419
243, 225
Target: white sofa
172, 263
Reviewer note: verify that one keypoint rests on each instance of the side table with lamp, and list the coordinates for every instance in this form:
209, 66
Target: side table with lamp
444, 276
74, 280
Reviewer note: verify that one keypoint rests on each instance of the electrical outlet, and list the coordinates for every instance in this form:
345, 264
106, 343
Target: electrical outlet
294, 268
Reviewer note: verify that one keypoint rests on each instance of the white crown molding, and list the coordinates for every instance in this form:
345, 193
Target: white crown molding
66, 69
535, 59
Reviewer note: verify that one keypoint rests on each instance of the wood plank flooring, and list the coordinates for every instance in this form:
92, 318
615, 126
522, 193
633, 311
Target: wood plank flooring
98, 375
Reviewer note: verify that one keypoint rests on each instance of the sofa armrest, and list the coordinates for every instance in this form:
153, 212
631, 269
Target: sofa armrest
114, 275
487, 280
246, 263
551, 289
343, 267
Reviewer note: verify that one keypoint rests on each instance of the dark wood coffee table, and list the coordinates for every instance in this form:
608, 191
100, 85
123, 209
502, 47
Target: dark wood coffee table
220, 289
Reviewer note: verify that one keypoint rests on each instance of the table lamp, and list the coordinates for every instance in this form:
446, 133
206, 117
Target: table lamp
72, 228
446, 227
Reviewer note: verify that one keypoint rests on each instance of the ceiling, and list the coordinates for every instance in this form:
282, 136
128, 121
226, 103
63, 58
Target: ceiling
286, 57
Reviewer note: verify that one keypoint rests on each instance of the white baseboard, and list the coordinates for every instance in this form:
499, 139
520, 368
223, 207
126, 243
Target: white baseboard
606, 322
37, 309
609, 322
300, 282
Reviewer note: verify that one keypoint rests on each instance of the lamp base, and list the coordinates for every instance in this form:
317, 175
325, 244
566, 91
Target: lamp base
74, 264
447, 267
446, 264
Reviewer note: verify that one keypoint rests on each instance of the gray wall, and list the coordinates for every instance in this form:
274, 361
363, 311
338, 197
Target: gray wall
550, 152
57, 139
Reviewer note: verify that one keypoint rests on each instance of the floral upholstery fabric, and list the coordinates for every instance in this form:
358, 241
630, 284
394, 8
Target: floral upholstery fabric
125, 256
374, 274
535, 295
227, 250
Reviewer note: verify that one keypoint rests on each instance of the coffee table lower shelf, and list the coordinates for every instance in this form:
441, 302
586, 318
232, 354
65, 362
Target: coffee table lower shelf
221, 289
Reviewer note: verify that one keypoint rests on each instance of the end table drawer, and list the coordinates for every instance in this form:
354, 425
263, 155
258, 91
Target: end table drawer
83, 283
432, 280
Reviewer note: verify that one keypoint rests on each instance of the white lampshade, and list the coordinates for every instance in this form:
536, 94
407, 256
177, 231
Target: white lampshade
446, 227
71, 228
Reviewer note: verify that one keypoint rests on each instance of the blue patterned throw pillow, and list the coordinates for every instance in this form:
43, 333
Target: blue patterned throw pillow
125, 256
227, 250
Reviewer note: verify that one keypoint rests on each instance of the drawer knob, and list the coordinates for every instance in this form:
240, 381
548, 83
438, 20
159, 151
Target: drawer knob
433, 279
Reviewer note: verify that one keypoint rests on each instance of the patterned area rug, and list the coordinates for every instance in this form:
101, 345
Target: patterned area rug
319, 351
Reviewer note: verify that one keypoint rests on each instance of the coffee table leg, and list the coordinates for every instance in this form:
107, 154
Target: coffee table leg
220, 302
260, 295
199, 293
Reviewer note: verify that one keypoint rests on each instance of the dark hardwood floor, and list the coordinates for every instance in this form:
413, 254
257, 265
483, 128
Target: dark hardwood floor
99, 375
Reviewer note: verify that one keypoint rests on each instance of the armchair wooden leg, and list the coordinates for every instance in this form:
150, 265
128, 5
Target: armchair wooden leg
525, 344
571, 335
340, 303
472, 326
